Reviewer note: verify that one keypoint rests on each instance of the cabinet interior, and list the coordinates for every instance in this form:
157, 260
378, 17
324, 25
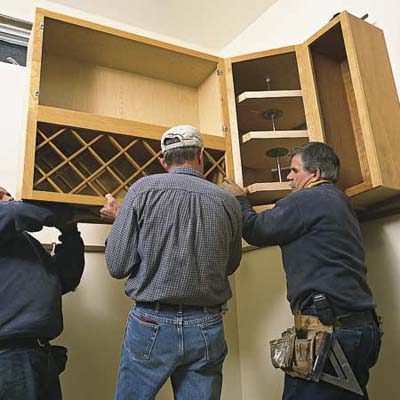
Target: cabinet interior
96, 72
270, 115
337, 103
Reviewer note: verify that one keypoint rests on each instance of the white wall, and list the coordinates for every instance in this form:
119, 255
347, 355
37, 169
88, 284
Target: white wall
381, 240
12, 111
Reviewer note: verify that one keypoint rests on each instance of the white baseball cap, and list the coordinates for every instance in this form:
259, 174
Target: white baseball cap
181, 136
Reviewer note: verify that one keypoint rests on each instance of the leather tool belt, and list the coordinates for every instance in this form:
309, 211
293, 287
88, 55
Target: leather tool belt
299, 350
296, 351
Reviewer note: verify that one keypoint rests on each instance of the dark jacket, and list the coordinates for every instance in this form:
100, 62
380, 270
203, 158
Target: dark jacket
321, 245
31, 280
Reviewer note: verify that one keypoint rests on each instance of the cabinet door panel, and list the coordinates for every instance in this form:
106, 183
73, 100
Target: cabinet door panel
376, 98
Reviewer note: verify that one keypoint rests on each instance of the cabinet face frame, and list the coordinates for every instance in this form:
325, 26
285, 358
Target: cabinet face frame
37, 112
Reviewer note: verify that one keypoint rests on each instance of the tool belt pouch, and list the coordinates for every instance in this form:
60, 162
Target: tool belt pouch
293, 355
282, 349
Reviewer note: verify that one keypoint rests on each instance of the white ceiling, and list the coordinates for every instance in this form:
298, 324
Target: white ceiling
210, 24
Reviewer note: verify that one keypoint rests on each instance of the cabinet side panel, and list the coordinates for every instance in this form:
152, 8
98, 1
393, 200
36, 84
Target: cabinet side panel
209, 109
234, 130
309, 91
35, 58
224, 112
376, 97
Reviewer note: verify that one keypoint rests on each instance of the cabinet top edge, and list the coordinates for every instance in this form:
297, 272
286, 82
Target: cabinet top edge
44, 13
263, 53
341, 19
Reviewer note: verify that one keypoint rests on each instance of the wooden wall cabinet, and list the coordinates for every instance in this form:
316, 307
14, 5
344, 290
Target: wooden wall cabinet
100, 100
338, 88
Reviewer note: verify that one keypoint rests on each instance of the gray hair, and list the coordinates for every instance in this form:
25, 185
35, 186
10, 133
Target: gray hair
180, 155
317, 155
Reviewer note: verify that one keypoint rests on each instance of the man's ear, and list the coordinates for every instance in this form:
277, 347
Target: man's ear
200, 156
164, 164
317, 175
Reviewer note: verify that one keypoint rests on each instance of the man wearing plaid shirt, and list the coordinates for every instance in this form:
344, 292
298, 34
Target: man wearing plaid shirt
177, 237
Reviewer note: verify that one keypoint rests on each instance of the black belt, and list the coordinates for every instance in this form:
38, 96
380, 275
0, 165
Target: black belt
349, 320
180, 307
355, 319
16, 343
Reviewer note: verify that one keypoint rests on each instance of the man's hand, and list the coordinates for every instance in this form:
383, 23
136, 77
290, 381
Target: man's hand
110, 210
233, 188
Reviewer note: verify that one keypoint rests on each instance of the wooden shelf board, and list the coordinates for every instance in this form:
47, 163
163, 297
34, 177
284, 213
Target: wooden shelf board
101, 123
250, 113
123, 51
256, 144
268, 94
260, 135
267, 193
78, 199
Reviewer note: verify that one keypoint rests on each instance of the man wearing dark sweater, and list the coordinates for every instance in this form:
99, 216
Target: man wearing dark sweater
323, 257
31, 285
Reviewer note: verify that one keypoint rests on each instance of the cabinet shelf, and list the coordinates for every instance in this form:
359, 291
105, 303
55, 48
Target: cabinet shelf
122, 126
256, 144
252, 111
267, 193
268, 94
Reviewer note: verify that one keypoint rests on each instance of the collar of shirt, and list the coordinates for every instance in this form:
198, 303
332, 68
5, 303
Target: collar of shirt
187, 171
317, 183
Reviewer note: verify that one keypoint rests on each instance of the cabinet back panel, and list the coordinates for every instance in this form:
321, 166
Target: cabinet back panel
281, 69
209, 101
336, 114
74, 85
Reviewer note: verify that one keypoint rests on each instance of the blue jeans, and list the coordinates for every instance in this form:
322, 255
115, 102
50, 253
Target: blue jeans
361, 346
189, 347
28, 374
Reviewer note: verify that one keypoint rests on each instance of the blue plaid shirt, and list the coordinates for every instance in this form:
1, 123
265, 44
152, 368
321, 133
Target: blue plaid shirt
177, 237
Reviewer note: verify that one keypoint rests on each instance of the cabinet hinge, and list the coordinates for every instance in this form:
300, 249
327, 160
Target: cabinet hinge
41, 26
219, 71
37, 92
224, 128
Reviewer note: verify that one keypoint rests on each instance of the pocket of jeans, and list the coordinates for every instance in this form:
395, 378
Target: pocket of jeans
214, 338
140, 337
377, 341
